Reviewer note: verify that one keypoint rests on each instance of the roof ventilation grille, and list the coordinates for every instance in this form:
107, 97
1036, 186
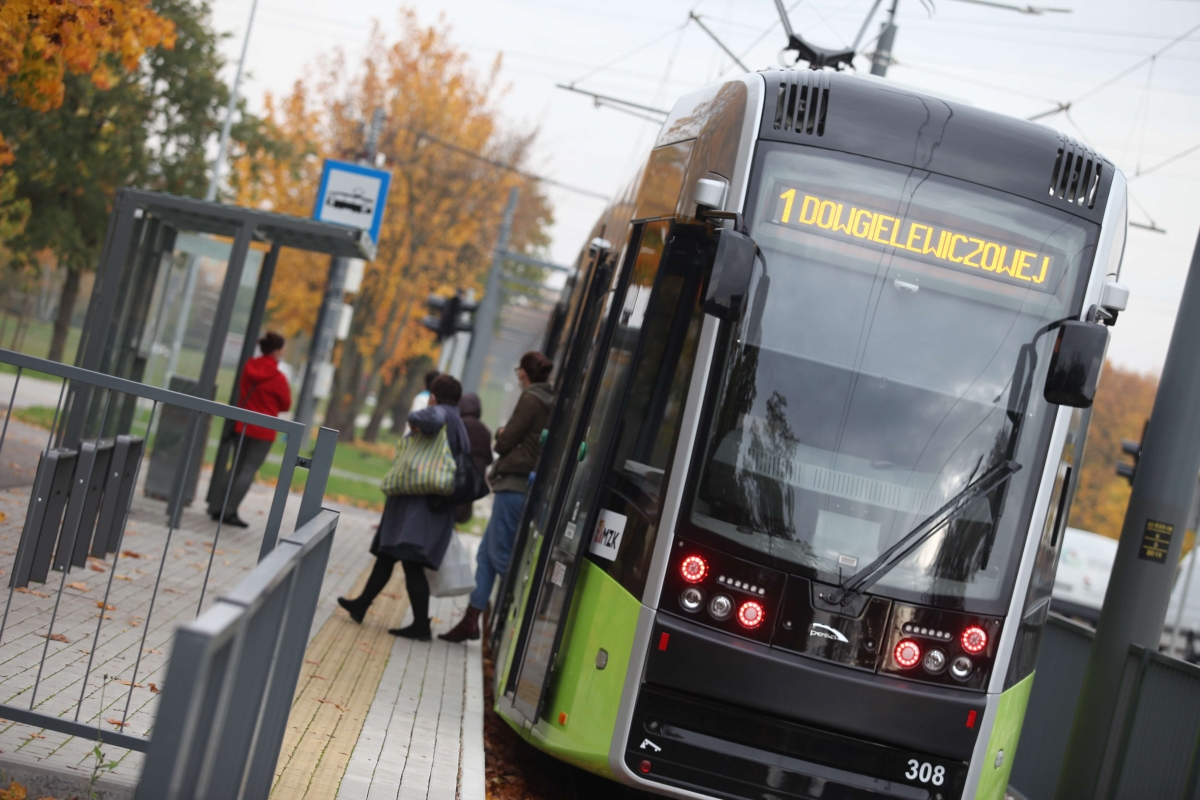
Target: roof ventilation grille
803, 103
1076, 175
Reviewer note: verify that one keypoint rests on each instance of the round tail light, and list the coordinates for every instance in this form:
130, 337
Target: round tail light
974, 639
721, 606
693, 569
907, 653
750, 614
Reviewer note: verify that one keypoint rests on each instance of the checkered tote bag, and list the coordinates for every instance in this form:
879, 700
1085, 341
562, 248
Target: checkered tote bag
424, 465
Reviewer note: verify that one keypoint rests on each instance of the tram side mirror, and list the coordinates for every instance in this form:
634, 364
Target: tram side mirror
733, 268
1075, 365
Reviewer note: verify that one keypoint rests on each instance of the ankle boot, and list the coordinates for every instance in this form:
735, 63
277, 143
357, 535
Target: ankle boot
357, 608
467, 628
416, 631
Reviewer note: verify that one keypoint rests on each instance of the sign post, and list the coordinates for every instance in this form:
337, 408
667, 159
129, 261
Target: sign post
355, 196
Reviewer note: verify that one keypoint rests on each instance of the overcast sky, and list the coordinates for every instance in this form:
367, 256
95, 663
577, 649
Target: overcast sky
647, 52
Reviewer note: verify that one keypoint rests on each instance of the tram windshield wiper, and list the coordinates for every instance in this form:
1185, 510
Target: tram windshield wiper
866, 577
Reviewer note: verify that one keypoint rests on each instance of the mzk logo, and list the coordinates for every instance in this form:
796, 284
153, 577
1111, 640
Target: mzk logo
826, 632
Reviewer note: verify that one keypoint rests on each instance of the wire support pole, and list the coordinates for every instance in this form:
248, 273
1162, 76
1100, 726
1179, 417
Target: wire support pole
226, 127
489, 308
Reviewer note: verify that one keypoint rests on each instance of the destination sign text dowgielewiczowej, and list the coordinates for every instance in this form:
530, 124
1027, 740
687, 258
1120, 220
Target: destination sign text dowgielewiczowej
932, 242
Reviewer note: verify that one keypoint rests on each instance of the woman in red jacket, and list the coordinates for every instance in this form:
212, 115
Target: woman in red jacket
263, 388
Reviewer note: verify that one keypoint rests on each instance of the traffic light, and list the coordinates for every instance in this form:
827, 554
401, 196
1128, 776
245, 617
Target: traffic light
447, 315
1134, 449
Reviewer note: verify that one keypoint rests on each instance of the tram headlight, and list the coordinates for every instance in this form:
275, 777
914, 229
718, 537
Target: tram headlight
750, 615
935, 661
974, 639
907, 653
693, 569
692, 599
720, 607
961, 668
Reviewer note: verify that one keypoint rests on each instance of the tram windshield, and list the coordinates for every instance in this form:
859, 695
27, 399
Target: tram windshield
870, 379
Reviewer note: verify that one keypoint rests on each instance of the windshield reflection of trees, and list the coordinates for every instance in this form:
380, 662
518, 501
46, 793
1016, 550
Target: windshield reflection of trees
753, 494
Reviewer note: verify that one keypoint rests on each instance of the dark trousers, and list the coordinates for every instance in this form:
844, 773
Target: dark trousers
253, 454
414, 580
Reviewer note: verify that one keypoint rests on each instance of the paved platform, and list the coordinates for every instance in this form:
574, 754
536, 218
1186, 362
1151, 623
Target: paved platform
362, 691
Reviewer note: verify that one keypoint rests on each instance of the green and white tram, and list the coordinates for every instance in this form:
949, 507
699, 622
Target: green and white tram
823, 377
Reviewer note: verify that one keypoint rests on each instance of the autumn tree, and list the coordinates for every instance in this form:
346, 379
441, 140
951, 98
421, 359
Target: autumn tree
443, 211
124, 119
41, 41
1123, 403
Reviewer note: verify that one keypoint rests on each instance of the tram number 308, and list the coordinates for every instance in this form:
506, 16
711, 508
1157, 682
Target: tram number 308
925, 772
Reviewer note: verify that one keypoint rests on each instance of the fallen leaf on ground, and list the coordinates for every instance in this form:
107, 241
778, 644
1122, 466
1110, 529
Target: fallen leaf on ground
96, 568
189, 543
131, 554
58, 637
100, 604
154, 688
79, 587
153, 650
338, 706
123, 577
24, 590
36, 736
116, 722
107, 616
392, 595
197, 565
85, 652
128, 683
140, 571
172, 591
133, 623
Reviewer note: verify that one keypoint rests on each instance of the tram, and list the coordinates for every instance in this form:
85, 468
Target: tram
824, 377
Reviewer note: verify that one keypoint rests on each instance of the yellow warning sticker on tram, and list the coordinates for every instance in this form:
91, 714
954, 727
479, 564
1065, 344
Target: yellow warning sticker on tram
931, 242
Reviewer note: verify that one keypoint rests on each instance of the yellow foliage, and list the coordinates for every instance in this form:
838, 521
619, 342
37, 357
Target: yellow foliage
40, 40
444, 207
1123, 403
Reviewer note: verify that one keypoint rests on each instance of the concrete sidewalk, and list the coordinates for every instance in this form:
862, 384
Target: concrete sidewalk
380, 717
404, 719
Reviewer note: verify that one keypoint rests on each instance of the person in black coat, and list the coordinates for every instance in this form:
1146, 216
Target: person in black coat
469, 408
411, 531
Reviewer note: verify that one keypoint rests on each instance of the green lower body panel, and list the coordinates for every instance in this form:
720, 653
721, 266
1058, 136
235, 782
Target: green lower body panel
1006, 731
581, 714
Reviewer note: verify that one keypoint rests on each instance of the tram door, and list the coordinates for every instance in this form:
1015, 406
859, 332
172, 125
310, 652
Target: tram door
580, 526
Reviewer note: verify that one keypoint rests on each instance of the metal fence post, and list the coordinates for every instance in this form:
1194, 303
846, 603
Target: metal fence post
318, 475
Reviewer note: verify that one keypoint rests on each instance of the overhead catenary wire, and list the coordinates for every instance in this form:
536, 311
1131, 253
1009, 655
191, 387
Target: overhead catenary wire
693, 17
420, 134
1063, 107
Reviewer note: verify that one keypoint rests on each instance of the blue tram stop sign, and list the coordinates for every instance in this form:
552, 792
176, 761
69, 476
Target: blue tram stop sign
352, 195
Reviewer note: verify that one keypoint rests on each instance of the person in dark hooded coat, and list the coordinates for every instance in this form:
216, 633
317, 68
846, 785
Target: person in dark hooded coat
410, 530
470, 409
519, 444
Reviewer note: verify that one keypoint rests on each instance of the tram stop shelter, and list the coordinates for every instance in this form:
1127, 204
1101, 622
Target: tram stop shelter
179, 300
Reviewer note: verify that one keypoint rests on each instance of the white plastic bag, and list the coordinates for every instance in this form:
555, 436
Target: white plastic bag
456, 575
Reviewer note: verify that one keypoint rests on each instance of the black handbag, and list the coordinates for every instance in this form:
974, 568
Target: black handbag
469, 485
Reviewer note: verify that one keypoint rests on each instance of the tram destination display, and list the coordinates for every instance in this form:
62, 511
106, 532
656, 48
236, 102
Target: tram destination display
946, 244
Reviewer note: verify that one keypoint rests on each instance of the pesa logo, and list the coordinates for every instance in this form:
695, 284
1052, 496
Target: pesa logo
826, 632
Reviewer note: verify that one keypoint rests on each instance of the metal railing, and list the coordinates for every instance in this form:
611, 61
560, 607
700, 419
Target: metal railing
78, 515
1154, 743
233, 674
